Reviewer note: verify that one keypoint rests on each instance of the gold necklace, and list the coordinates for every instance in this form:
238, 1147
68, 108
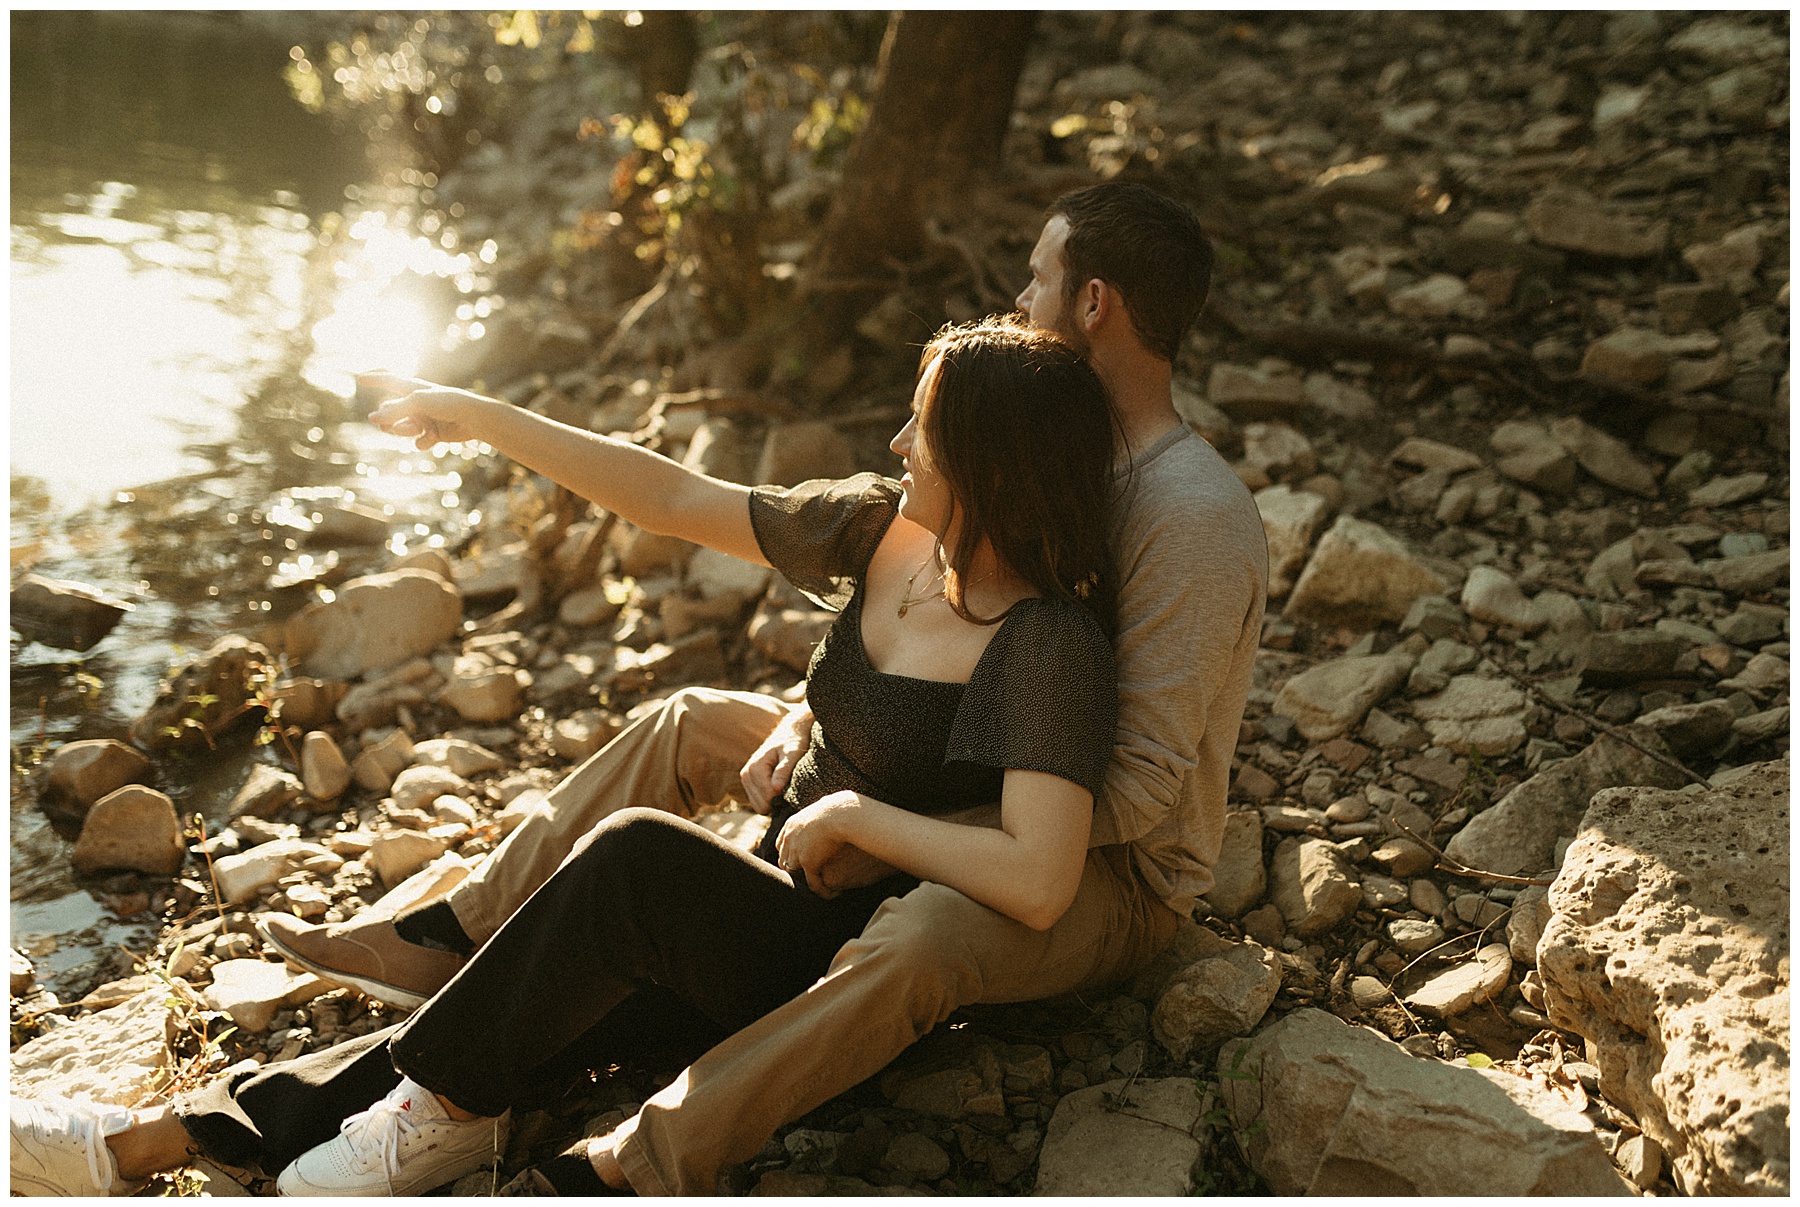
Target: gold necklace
906, 597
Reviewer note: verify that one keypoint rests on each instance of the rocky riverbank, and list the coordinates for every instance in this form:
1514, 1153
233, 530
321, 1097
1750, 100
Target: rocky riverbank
1499, 341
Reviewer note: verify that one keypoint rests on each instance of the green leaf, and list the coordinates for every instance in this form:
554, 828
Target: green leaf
1479, 1060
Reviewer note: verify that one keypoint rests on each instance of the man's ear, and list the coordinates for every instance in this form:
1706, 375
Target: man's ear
1094, 305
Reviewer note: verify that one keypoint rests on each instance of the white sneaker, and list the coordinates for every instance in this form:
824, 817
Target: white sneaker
405, 1144
59, 1148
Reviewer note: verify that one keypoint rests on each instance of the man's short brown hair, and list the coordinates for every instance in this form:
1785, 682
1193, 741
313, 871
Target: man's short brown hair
1148, 247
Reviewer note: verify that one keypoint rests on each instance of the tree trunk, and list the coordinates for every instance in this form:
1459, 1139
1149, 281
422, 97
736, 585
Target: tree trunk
662, 47
943, 101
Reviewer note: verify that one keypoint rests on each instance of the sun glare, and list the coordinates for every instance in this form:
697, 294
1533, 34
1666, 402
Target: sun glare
385, 316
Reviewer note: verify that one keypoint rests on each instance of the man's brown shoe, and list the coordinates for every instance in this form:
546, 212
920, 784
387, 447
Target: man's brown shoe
367, 954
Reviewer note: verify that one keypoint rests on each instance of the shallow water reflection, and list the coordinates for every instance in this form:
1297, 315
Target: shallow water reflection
198, 266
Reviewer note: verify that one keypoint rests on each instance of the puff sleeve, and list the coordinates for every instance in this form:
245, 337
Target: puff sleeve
1043, 698
821, 534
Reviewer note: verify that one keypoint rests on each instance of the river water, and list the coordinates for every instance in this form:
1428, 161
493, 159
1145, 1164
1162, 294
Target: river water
198, 264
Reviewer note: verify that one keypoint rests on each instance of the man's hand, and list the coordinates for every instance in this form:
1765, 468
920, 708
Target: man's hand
768, 771
429, 414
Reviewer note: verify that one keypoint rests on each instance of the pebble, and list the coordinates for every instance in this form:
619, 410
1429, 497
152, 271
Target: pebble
1382, 892
1239, 877
918, 1156
1265, 925
1312, 884
1725, 492
1414, 937
132, 828
1368, 992
323, 770
87, 770
1289, 819
1428, 898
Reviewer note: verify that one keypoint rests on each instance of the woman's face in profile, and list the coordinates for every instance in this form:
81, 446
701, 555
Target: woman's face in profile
924, 495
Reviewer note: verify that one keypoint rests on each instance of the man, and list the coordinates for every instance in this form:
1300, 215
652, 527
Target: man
1121, 272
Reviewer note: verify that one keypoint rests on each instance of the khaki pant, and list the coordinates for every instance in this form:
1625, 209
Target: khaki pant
681, 757
922, 956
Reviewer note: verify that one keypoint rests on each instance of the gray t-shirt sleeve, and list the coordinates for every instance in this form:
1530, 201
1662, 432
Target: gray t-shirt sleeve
821, 534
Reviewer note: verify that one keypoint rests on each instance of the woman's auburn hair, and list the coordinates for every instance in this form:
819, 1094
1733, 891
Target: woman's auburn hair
1022, 431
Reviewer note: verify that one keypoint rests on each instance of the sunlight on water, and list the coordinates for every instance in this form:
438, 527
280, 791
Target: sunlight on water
132, 338
384, 315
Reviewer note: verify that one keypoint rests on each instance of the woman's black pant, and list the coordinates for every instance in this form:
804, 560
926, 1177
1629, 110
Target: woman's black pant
651, 918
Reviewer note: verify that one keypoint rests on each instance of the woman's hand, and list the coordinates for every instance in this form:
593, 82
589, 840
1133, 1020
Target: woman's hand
765, 776
813, 836
430, 414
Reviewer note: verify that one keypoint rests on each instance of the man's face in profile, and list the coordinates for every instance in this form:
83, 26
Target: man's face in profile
1044, 301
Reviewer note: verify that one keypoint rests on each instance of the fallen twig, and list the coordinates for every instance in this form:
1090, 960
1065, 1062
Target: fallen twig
1455, 866
638, 310
1611, 731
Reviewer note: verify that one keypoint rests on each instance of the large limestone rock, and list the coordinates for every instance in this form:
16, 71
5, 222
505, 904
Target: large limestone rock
1246, 393
1290, 519
1492, 596
1530, 454
1361, 574
1667, 949
1348, 1112
376, 767
793, 453
1312, 883
397, 854
952, 1078
134, 828
1518, 835
377, 701
1578, 223
1122, 1138
118, 1056
1329, 700
716, 575
83, 772
207, 694
1216, 999
374, 623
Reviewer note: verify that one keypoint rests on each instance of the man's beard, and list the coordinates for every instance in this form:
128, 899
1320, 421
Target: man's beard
1064, 327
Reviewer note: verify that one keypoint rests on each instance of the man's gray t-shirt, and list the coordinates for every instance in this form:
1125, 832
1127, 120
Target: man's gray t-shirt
1194, 568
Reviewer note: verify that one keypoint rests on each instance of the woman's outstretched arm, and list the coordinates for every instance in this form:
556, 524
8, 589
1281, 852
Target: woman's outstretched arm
1029, 869
642, 487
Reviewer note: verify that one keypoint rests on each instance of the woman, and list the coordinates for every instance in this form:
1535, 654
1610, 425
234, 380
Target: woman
971, 663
